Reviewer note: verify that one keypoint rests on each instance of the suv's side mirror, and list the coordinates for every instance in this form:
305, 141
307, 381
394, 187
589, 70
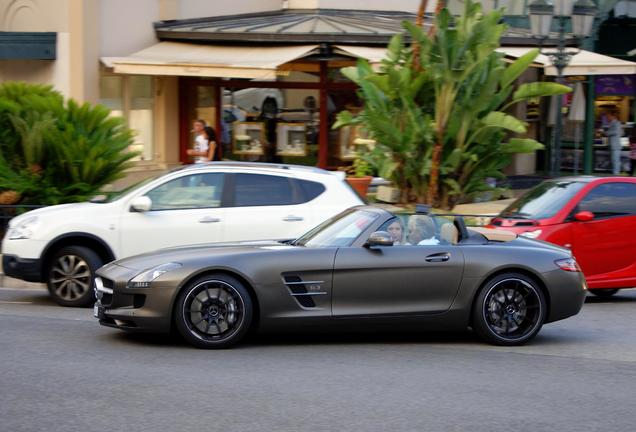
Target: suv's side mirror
141, 204
379, 238
584, 216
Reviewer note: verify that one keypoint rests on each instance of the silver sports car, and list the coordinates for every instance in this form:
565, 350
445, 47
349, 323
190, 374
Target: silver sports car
365, 268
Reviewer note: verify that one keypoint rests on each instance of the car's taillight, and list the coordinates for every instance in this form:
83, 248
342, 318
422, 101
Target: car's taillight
568, 264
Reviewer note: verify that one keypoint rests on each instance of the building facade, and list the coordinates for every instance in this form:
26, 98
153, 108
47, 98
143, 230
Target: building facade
263, 74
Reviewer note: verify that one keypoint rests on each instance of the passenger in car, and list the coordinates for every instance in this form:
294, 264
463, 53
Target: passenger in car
421, 230
396, 230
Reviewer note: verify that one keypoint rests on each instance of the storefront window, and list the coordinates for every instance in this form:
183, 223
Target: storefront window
132, 97
271, 125
111, 94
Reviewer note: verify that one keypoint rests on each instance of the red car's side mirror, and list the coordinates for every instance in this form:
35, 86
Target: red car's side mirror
584, 216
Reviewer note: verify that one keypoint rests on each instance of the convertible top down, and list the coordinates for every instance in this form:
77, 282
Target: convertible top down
366, 267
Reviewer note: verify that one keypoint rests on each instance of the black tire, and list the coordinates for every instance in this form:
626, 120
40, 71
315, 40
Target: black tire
213, 311
604, 292
509, 310
70, 276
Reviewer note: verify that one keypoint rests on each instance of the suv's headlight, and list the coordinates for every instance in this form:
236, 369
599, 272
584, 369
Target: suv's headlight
531, 234
24, 229
143, 279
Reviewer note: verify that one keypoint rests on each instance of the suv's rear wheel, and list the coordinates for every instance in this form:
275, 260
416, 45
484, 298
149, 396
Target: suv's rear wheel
70, 275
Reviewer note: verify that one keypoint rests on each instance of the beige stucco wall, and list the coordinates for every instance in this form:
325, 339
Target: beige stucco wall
126, 33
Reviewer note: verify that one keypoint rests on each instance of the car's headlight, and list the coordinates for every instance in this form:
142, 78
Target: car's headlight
143, 279
24, 229
531, 234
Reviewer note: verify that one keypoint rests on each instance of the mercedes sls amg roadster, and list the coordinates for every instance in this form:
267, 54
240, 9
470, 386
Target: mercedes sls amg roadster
365, 268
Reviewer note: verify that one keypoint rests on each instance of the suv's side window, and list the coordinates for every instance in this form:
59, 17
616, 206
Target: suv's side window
610, 199
189, 192
262, 190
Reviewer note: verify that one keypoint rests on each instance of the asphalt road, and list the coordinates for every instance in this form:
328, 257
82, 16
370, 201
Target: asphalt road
61, 371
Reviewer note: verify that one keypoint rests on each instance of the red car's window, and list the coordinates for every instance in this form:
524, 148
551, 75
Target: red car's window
544, 201
610, 199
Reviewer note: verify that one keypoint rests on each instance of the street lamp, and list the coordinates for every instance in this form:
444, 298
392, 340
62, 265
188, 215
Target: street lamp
581, 13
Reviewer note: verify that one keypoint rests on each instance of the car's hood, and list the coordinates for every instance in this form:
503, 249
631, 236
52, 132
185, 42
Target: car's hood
54, 211
182, 254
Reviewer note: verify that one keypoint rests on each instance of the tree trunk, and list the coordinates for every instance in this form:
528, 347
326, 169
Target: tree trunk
441, 4
438, 146
419, 21
436, 157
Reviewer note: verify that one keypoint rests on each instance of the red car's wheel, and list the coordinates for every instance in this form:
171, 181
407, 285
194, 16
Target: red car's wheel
604, 292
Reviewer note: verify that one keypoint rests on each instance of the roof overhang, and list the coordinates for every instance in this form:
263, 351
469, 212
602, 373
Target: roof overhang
187, 59
583, 63
28, 45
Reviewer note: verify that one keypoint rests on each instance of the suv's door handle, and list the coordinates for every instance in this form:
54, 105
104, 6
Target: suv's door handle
292, 218
438, 257
209, 219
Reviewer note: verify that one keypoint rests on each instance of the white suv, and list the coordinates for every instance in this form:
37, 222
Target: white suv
63, 245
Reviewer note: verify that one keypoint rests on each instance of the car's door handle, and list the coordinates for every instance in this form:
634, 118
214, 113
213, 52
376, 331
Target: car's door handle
292, 218
438, 257
209, 219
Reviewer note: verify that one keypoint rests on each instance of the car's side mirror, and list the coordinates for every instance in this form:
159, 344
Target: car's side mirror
584, 216
141, 204
379, 238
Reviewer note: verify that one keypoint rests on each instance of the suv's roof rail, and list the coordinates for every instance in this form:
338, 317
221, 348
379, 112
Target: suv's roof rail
264, 165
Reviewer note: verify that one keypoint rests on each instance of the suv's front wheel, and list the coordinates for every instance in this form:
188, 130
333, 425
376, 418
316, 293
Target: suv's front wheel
70, 275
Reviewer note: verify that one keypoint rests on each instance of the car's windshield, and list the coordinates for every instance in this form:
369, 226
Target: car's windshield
341, 230
108, 197
544, 201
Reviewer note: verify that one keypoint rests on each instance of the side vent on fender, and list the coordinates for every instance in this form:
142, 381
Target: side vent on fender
303, 291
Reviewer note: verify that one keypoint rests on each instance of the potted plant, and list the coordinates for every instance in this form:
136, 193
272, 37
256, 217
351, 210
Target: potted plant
360, 176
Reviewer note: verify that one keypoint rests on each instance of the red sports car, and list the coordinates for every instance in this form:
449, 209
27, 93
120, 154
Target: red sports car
593, 216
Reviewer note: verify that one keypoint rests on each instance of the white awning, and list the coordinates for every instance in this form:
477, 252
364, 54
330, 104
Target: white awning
186, 59
373, 54
583, 63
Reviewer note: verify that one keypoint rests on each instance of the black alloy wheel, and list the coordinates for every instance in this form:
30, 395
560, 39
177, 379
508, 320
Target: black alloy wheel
604, 292
70, 276
509, 310
214, 311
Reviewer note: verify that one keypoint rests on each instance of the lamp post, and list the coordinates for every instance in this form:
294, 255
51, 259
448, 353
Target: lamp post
581, 13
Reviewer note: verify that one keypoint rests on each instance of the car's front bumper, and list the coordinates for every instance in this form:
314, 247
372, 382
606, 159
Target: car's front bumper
134, 310
26, 269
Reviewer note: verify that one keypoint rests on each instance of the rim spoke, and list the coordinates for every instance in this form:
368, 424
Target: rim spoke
86, 274
198, 322
59, 289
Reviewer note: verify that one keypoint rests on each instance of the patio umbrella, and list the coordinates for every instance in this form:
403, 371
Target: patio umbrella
577, 115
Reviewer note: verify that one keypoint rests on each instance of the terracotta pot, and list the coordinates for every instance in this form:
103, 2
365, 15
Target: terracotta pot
360, 184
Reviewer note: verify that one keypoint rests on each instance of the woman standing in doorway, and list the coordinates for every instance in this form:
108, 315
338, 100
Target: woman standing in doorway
204, 142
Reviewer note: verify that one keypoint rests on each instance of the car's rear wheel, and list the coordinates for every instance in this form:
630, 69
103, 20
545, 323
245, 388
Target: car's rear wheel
604, 292
509, 310
70, 276
214, 311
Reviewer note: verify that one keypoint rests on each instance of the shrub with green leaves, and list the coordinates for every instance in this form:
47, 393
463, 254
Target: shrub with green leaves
53, 151
447, 113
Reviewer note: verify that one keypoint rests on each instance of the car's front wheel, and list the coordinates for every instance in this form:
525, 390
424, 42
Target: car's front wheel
509, 310
70, 276
214, 311
604, 292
